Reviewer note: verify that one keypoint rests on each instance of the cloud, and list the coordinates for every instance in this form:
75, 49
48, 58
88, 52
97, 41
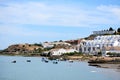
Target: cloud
38, 13
19, 31
110, 9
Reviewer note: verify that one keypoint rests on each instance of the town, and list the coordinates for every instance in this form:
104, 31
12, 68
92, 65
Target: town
99, 43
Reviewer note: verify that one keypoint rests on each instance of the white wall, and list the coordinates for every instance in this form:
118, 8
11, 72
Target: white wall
99, 43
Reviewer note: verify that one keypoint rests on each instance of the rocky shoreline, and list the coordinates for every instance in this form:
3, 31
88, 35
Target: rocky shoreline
105, 65
108, 60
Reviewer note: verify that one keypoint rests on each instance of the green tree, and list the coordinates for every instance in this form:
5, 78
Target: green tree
118, 30
60, 41
40, 44
111, 29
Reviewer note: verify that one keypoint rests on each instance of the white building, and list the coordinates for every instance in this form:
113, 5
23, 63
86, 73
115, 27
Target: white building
96, 45
51, 44
47, 45
60, 43
103, 32
58, 52
71, 50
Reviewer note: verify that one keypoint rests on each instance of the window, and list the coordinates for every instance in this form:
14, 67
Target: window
98, 47
89, 49
84, 48
93, 48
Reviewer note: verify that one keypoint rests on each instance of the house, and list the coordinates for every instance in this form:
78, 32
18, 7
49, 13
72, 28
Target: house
71, 50
47, 45
58, 52
60, 43
103, 32
52, 44
99, 42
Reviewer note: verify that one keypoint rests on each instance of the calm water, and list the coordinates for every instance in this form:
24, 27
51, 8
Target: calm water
38, 70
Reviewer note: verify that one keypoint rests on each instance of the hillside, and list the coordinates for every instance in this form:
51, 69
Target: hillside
91, 37
21, 49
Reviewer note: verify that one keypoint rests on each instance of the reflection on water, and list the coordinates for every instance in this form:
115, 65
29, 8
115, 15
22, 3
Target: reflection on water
33, 68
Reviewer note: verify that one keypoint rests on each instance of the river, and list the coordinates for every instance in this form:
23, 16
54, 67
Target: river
64, 70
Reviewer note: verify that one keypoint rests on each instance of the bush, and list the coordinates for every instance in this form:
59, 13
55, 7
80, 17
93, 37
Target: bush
73, 53
113, 54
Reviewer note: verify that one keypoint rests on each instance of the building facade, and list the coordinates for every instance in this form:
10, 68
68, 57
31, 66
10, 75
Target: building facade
103, 32
61, 51
97, 45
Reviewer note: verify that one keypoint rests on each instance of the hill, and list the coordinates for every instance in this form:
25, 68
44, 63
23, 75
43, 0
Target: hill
22, 49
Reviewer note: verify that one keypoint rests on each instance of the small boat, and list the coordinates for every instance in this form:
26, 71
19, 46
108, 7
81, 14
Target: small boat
28, 60
46, 61
71, 61
43, 59
55, 62
14, 61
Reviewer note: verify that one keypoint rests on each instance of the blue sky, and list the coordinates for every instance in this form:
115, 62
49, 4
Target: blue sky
34, 21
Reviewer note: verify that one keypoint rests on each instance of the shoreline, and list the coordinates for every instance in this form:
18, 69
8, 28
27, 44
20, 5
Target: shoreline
80, 59
106, 65
90, 59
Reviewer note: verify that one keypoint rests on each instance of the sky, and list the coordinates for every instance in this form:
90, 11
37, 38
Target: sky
35, 21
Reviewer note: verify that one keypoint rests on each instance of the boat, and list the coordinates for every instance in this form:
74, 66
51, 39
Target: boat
46, 61
71, 61
28, 60
14, 61
55, 62
43, 59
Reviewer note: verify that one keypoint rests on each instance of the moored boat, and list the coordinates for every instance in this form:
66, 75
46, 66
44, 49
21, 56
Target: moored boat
14, 61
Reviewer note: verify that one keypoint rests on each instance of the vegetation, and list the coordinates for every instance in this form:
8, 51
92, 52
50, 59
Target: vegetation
73, 54
99, 53
113, 54
39, 50
118, 30
36, 44
91, 37
111, 29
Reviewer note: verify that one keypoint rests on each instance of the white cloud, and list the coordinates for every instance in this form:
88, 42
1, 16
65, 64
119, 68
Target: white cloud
111, 9
17, 31
61, 15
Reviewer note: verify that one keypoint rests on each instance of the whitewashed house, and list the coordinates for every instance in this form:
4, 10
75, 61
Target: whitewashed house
47, 45
61, 43
99, 42
103, 32
71, 50
58, 52
52, 44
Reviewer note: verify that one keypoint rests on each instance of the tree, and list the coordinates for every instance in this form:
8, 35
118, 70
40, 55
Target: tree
115, 33
36, 44
110, 29
60, 41
100, 53
118, 30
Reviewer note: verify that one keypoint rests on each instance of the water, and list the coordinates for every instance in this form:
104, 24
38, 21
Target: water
38, 70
